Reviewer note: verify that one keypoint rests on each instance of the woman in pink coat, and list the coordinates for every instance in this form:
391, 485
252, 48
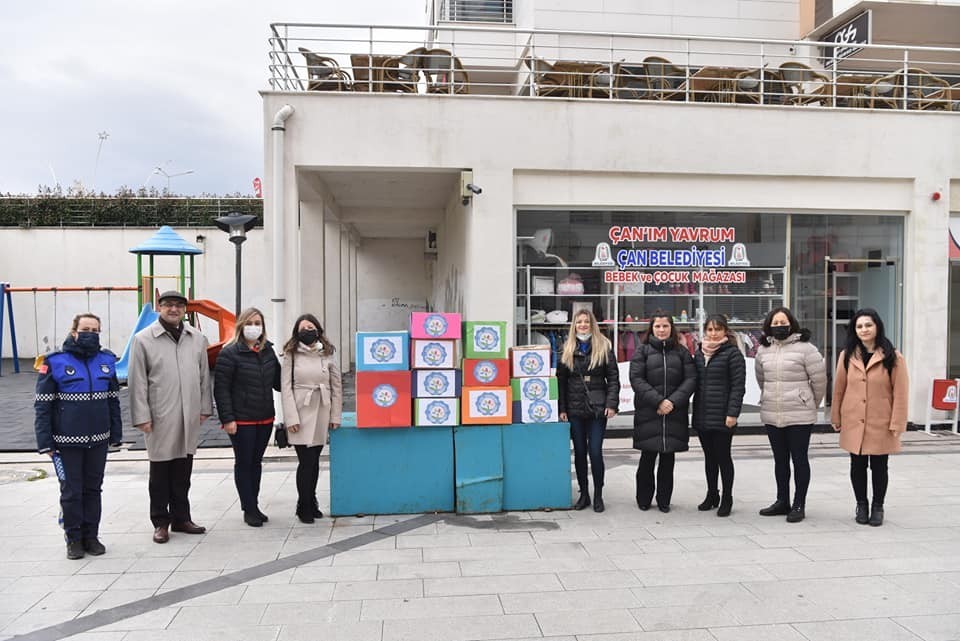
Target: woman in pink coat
869, 407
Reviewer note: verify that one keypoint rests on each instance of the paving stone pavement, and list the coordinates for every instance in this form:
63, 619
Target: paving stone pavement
624, 575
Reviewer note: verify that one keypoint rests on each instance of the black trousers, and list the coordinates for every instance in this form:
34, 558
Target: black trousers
791, 443
587, 435
80, 490
717, 460
664, 482
249, 444
169, 489
308, 473
858, 476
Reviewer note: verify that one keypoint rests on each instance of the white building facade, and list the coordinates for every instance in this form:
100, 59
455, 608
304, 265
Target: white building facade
839, 202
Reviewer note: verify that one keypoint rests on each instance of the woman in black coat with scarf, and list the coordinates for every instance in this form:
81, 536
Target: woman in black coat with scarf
589, 382
663, 377
721, 383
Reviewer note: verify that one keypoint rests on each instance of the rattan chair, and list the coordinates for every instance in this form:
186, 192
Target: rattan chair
927, 91
664, 79
547, 81
801, 85
324, 74
886, 92
442, 71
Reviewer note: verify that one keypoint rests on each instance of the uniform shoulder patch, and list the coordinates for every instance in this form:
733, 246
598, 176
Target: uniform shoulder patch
40, 364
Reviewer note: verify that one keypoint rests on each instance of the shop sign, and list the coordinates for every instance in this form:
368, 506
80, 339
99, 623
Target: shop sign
689, 263
846, 37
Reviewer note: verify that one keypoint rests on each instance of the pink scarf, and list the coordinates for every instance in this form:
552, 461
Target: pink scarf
710, 347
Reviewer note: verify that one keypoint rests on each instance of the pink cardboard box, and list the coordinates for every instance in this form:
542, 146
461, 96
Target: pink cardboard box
435, 325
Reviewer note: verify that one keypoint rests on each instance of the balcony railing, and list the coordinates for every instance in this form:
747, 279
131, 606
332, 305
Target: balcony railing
461, 60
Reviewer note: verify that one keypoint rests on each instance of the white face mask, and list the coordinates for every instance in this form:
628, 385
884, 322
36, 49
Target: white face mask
584, 337
252, 332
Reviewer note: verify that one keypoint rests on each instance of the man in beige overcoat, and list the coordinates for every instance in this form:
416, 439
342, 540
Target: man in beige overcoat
170, 396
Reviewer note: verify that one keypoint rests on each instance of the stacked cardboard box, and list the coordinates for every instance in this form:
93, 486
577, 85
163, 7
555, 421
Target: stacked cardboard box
535, 391
383, 379
486, 397
437, 379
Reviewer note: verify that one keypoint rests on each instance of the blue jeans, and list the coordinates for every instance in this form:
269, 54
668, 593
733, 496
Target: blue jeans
587, 434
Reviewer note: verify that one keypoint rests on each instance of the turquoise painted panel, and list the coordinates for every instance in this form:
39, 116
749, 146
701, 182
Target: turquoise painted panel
536, 466
391, 471
479, 468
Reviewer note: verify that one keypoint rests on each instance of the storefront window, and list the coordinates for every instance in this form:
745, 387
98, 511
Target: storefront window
570, 260
842, 263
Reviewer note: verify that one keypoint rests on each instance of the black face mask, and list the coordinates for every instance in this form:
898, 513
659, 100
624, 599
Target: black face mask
780, 332
88, 341
308, 336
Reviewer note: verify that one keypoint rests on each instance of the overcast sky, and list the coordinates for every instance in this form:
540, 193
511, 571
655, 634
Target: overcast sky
173, 82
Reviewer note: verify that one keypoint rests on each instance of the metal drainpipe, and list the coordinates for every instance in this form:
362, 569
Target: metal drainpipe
279, 241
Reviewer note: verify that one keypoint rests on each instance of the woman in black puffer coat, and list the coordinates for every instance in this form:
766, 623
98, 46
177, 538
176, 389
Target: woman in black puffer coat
245, 376
589, 383
721, 383
663, 377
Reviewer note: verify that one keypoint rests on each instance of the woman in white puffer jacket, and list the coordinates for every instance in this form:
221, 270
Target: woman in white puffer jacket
792, 378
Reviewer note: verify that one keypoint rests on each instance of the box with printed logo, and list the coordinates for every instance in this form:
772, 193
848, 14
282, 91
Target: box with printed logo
436, 383
486, 406
485, 339
530, 360
486, 372
383, 399
541, 411
436, 412
383, 351
535, 388
435, 325
433, 354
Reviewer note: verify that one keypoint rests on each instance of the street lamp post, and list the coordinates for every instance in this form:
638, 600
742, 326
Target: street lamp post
161, 171
237, 225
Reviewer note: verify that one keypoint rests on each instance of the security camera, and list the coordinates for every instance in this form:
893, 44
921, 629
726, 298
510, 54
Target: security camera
474, 188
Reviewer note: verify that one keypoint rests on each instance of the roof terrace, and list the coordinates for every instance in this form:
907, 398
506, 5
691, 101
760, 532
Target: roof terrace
500, 60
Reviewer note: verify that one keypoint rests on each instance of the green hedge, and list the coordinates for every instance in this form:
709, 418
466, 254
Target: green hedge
121, 211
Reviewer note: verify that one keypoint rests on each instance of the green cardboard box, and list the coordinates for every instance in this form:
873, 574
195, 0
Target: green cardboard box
485, 339
535, 388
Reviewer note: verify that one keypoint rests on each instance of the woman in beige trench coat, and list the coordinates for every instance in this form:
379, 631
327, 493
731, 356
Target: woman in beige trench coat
870, 392
312, 398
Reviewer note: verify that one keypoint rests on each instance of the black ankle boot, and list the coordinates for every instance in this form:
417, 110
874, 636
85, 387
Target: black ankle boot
797, 514
876, 515
711, 501
583, 501
597, 500
777, 508
305, 512
726, 505
317, 514
862, 513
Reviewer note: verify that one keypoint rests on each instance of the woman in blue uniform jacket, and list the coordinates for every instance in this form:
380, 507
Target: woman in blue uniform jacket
77, 416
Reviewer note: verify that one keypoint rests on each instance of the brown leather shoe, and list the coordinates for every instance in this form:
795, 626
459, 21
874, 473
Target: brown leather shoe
161, 535
188, 527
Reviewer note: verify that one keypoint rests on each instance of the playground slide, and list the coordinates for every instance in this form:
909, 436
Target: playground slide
147, 316
226, 321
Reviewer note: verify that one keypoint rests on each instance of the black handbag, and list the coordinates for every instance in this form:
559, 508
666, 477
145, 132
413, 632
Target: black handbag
598, 412
280, 436
280, 430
